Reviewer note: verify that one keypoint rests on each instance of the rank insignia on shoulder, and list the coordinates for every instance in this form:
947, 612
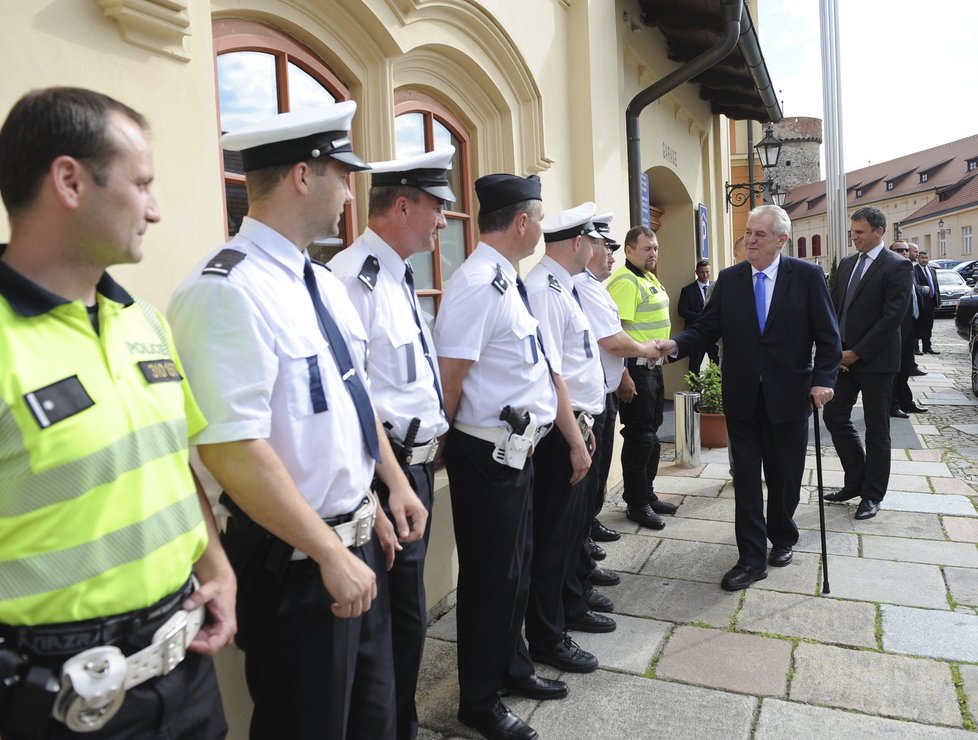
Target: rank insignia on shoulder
223, 262
369, 271
499, 282
554, 283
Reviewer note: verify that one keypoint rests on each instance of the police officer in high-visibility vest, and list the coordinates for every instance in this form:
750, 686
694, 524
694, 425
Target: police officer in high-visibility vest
102, 629
276, 353
407, 197
643, 306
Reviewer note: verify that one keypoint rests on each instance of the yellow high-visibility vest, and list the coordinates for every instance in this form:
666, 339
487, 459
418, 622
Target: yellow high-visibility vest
643, 304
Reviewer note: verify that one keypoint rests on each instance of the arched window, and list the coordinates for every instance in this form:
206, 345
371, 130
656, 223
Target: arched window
802, 247
816, 246
262, 72
421, 124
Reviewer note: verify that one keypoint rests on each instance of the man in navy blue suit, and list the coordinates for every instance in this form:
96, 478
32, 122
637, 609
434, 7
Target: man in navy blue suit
770, 311
692, 298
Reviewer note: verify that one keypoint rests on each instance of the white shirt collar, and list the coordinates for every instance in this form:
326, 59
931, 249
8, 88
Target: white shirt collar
385, 253
493, 255
274, 245
770, 271
875, 251
558, 271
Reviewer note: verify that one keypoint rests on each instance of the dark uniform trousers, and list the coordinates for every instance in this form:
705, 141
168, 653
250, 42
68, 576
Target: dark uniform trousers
313, 675
641, 420
558, 514
409, 610
607, 447
782, 449
867, 471
492, 510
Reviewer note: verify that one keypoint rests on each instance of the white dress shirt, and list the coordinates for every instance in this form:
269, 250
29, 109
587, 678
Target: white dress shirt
602, 314
492, 327
254, 355
402, 386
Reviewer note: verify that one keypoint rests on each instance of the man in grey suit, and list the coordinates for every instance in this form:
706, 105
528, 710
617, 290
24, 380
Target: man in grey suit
871, 295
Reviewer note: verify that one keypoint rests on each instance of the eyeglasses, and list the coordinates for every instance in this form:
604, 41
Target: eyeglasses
902, 251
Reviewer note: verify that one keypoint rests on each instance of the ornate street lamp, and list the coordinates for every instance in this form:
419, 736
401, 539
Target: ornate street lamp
768, 151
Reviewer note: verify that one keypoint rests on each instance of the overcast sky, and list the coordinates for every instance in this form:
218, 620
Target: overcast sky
909, 71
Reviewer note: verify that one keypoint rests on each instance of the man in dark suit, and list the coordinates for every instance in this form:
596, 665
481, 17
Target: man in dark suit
692, 298
770, 311
871, 295
902, 403
926, 277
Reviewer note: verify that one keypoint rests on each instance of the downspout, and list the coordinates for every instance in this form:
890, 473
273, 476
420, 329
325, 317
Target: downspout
738, 28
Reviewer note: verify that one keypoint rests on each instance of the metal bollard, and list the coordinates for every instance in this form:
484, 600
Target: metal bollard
687, 406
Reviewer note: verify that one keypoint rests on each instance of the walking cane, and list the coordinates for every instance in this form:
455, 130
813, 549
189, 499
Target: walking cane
821, 500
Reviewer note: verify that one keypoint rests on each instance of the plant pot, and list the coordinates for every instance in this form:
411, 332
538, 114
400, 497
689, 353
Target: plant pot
713, 430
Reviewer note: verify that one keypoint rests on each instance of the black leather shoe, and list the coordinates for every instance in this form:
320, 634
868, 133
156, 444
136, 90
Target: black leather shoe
536, 687
779, 557
601, 533
592, 622
645, 516
597, 601
497, 723
917, 352
840, 496
917, 372
597, 552
931, 352
899, 413
663, 507
567, 656
741, 576
602, 577
915, 409
867, 509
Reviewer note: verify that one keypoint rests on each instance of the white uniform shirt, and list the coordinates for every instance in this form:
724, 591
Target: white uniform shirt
491, 326
567, 335
254, 354
602, 313
402, 386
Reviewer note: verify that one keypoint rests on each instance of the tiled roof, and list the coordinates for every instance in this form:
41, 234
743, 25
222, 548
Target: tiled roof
961, 195
944, 165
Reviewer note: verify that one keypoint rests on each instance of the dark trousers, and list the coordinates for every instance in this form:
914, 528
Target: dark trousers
558, 514
592, 496
409, 609
780, 449
311, 674
696, 357
902, 397
924, 326
867, 471
492, 509
641, 420
607, 444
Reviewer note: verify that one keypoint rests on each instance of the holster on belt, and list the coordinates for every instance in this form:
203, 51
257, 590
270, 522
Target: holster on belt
256, 555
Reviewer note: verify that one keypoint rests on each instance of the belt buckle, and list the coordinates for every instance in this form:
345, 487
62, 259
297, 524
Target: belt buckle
364, 524
174, 641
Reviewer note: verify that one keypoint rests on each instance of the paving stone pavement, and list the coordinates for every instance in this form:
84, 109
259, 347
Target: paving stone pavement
890, 651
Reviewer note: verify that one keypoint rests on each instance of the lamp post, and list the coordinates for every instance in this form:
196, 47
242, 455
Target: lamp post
942, 237
768, 151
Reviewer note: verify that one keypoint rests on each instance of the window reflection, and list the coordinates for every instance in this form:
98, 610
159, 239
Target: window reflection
246, 87
409, 135
452, 248
422, 264
305, 91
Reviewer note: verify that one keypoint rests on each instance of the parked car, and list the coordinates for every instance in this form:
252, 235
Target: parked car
965, 312
945, 264
967, 270
973, 351
953, 289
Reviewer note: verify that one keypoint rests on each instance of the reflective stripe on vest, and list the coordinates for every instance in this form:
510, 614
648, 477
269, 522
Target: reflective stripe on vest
652, 312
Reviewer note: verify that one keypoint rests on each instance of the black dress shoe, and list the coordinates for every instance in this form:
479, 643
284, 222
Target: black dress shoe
663, 507
917, 352
536, 687
597, 552
497, 723
592, 622
867, 509
899, 413
645, 516
597, 601
602, 577
741, 576
601, 533
915, 409
779, 557
567, 656
839, 496
931, 352
917, 372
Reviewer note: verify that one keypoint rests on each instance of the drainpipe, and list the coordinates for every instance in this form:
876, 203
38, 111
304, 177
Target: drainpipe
738, 31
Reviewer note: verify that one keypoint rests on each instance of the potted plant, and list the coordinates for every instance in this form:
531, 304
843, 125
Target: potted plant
713, 424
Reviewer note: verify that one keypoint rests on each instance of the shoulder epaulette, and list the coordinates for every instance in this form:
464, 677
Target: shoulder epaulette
223, 262
554, 283
369, 271
499, 282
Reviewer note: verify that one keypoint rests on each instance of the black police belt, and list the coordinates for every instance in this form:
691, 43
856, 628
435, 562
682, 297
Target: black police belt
93, 683
354, 529
644, 362
510, 448
415, 454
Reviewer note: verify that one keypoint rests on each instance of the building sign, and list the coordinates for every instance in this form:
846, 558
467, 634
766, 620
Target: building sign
702, 232
645, 194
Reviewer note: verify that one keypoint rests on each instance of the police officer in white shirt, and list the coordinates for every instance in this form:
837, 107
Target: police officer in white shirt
275, 353
613, 345
500, 399
405, 216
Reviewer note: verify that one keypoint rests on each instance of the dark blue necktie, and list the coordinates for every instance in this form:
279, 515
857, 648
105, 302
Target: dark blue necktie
521, 289
760, 299
341, 355
409, 279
